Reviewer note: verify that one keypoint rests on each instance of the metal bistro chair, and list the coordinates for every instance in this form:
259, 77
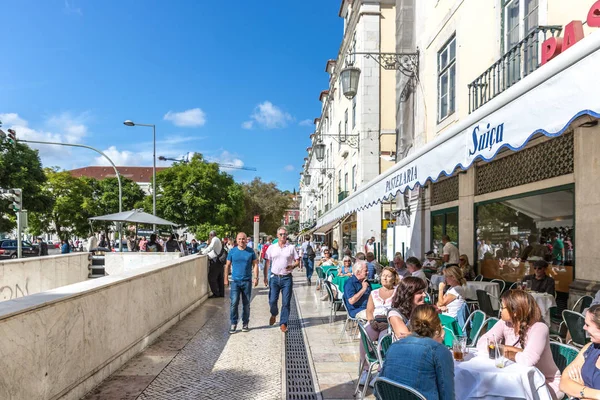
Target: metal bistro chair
476, 319
356, 321
582, 303
478, 278
563, 354
320, 276
382, 347
490, 322
513, 286
485, 303
371, 357
387, 389
575, 322
450, 324
333, 302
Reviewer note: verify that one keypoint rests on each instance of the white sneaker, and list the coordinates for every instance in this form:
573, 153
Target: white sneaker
363, 378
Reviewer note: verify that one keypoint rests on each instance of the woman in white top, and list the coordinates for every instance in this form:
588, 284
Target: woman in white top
380, 302
453, 300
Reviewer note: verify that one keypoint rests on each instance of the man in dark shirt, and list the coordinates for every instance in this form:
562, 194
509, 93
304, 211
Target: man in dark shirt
357, 290
540, 282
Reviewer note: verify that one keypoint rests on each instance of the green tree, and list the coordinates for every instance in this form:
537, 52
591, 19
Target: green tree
294, 227
266, 200
21, 168
67, 216
198, 195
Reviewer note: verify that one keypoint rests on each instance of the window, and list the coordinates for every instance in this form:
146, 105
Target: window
353, 112
340, 136
446, 79
346, 124
339, 181
443, 222
346, 182
514, 12
519, 228
354, 177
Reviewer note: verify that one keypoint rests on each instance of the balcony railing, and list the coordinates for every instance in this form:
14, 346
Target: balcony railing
518, 62
320, 213
327, 207
342, 195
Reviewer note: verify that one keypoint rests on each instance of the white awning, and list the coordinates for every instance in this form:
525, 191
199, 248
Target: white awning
545, 103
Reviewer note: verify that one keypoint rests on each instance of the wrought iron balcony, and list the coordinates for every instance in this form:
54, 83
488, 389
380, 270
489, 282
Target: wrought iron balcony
518, 62
327, 207
342, 195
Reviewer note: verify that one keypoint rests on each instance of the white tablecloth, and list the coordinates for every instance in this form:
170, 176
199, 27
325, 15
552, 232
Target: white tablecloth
491, 287
479, 378
545, 301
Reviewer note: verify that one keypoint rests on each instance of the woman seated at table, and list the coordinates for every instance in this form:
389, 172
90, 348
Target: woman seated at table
525, 335
380, 302
409, 294
327, 260
581, 378
421, 361
466, 268
346, 268
453, 299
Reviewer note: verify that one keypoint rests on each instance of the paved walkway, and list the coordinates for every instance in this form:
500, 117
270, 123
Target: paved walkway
198, 359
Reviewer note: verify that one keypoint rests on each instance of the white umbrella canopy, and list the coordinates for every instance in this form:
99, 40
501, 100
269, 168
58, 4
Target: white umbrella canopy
134, 216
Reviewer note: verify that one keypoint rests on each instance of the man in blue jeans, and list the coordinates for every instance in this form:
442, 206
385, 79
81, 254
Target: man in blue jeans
308, 257
242, 261
282, 258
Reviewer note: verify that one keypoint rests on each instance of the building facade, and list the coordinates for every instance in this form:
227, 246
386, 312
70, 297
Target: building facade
140, 175
496, 138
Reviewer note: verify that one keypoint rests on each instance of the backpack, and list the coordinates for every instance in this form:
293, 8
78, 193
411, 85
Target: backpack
310, 252
222, 257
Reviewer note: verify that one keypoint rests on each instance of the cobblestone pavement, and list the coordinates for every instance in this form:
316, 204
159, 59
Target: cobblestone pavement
335, 363
198, 359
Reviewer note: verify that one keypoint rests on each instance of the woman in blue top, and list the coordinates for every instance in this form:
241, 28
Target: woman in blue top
64, 248
581, 378
420, 360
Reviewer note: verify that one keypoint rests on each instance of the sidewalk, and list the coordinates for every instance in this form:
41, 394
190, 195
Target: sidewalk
198, 359
335, 364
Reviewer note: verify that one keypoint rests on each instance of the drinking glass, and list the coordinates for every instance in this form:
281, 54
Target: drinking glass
459, 348
491, 345
500, 360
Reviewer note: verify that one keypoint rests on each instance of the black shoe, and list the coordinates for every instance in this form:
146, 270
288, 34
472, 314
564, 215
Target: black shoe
245, 328
212, 296
309, 282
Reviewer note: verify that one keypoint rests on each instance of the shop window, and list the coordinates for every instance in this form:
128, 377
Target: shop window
514, 232
446, 79
443, 222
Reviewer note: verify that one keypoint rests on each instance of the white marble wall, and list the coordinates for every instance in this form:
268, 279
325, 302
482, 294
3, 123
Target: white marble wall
65, 341
25, 276
117, 263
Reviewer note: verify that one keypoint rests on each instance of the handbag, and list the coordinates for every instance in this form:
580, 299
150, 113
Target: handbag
380, 323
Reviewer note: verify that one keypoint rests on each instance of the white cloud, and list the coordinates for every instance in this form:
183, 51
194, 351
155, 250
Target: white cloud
189, 118
70, 8
124, 157
12, 119
289, 168
306, 122
268, 116
73, 126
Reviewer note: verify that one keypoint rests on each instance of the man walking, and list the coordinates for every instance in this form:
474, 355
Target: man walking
308, 257
215, 268
244, 271
282, 258
42, 247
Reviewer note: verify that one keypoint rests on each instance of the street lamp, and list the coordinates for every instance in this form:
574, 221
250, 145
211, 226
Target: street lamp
131, 123
307, 179
319, 149
350, 76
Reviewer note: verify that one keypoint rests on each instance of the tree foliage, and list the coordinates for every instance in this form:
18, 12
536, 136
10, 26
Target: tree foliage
264, 199
21, 168
198, 195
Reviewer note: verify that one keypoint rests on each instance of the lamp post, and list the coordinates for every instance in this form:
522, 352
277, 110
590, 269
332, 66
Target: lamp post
131, 123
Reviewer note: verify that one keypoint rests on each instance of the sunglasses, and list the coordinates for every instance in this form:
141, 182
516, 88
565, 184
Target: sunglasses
282, 234
538, 268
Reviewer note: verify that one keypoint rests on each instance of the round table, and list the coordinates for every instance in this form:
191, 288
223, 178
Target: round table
545, 301
436, 279
478, 378
491, 287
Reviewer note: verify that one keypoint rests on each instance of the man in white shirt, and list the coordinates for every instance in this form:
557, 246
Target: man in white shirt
484, 248
215, 268
92, 243
450, 252
370, 245
414, 267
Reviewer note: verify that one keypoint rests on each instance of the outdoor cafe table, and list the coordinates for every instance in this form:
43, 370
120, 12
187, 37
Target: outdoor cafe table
340, 281
545, 301
478, 378
491, 287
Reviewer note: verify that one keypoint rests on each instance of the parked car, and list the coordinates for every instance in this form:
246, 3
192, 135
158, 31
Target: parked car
8, 249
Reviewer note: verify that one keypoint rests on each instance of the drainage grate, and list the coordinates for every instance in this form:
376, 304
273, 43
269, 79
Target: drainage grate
298, 376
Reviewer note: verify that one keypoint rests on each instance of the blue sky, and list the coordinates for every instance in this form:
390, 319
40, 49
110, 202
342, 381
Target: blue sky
237, 81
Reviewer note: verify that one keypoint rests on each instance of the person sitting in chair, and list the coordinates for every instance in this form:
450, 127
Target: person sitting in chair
357, 291
540, 282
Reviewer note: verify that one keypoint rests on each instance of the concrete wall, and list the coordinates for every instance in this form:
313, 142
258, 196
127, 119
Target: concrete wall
25, 276
63, 342
117, 263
